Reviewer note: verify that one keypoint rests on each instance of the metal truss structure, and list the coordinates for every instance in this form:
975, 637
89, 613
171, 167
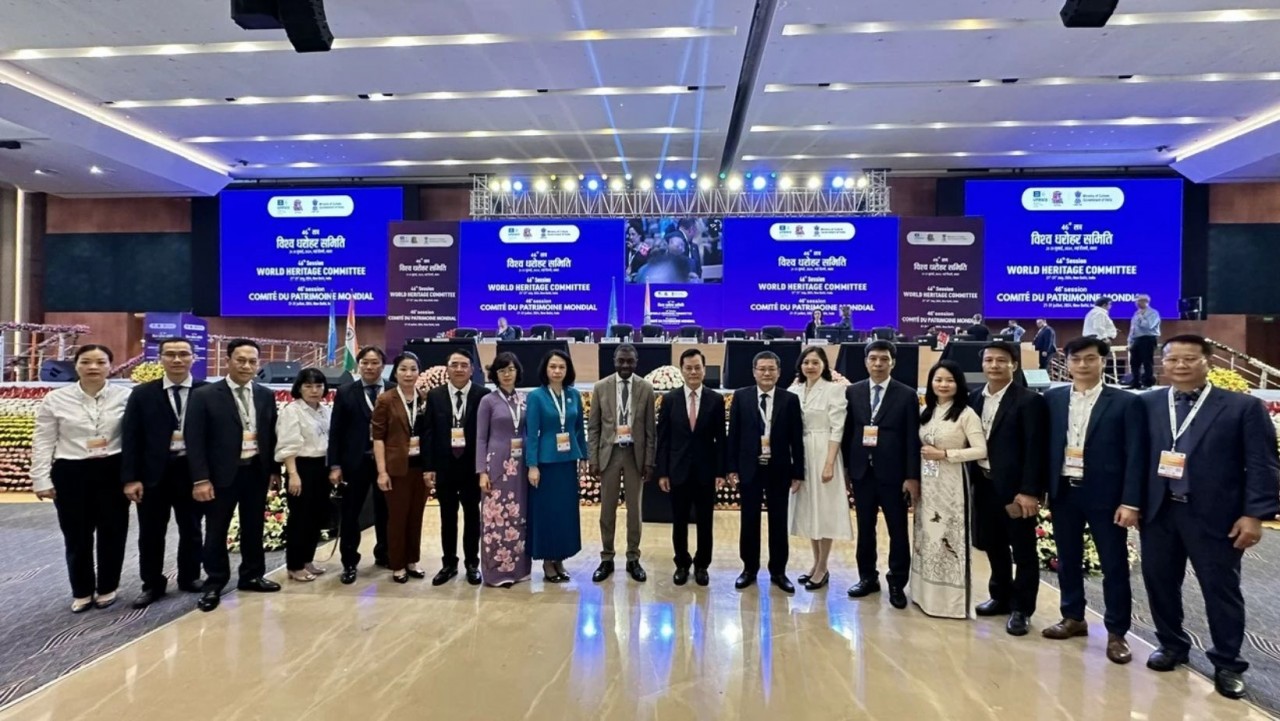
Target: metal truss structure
487, 203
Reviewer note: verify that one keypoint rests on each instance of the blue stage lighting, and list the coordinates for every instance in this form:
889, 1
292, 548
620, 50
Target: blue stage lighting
517, 186
681, 184
593, 185
668, 184
759, 182
837, 182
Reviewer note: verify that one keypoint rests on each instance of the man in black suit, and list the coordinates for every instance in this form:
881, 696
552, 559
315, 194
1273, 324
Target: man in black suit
351, 463
1045, 342
1008, 485
450, 465
155, 473
1212, 478
881, 447
231, 447
1097, 467
977, 330
765, 460
690, 463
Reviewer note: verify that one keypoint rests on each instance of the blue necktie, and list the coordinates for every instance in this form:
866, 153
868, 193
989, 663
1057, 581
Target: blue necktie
875, 403
372, 392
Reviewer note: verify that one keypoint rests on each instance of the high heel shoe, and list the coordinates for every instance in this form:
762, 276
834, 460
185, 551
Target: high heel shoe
402, 578
564, 575
810, 585
551, 574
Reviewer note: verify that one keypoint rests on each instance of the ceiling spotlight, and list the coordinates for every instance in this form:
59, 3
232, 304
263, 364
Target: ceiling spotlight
517, 186
681, 184
604, 176
627, 177
813, 183
615, 185
569, 185
657, 176
506, 186
646, 184
552, 177
494, 186
540, 185
704, 184
593, 185
784, 183
693, 176
759, 182
581, 177
668, 184
863, 181
837, 182
96, 170
735, 183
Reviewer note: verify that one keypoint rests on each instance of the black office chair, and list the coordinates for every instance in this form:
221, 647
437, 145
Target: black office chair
578, 334
883, 333
773, 332
465, 332
519, 331
621, 331
735, 333
543, 331
691, 331
650, 331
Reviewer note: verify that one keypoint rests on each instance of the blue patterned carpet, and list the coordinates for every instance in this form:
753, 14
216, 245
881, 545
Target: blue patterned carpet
43, 640
1261, 584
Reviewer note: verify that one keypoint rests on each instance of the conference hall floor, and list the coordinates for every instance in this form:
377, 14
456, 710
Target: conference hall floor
619, 650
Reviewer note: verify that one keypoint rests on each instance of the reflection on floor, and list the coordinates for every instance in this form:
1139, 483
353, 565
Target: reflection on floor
619, 650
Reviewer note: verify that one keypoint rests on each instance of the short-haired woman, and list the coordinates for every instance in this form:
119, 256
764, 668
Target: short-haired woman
75, 462
302, 439
504, 511
556, 449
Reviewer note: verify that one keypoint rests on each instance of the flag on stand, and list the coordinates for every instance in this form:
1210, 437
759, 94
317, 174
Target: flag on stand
613, 305
331, 350
350, 346
647, 316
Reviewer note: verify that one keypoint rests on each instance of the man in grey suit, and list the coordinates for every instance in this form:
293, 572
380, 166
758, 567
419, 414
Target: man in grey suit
621, 438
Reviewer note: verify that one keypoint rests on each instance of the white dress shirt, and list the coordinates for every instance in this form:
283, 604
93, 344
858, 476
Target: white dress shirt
302, 432
1098, 323
990, 407
184, 392
871, 396
1078, 413
453, 400
66, 421
617, 397
689, 395
248, 415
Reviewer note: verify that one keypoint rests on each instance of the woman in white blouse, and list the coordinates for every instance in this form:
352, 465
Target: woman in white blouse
302, 438
819, 511
75, 462
951, 436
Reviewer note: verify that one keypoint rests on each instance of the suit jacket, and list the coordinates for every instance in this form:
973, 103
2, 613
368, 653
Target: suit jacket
437, 428
691, 455
391, 425
1231, 459
349, 438
602, 423
1017, 444
896, 455
148, 427
1115, 447
544, 423
214, 433
1046, 341
978, 331
786, 437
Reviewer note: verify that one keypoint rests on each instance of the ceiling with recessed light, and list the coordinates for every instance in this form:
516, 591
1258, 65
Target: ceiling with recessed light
173, 98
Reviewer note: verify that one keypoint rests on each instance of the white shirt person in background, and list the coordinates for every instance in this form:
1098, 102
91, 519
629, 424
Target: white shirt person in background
75, 462
1098, 323
302, 438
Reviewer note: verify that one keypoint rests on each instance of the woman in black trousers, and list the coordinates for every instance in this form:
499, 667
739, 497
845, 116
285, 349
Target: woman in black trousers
75, 462
302, 438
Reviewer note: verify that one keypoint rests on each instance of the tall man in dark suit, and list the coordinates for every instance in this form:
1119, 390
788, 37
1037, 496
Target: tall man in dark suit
450, 464
765, 460
881, 447
351, 463
978, 330
1097, 467
1212, 478
231, 447
1045, 342
1008, 486
155, 472
690, 463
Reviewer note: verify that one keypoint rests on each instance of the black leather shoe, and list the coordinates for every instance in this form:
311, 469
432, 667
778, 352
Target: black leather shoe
382, 563
636, 571
803, 579
603, 571
701, 577
444, 575
258, 585
417, 573
811, 585
783, 583
148, 597
862, 589
400, 579
681, 576
746, 578
1018, 624
195, 586
992, 607
473, 575
897, 598
209, 601
1229, 683
348, 575
1162, 659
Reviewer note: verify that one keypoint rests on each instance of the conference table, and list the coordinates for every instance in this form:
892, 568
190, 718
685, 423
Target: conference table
592, 361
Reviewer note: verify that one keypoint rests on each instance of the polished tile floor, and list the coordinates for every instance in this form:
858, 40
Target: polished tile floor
620, 650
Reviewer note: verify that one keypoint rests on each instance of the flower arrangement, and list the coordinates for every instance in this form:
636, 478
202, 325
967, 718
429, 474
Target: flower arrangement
1047, 547
432, 377
146, 371
1228, 380
275, 518
665, 378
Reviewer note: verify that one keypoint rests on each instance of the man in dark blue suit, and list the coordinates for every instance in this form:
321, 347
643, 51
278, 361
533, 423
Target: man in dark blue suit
765, 460
1045, 342
1097, 463
1213, 477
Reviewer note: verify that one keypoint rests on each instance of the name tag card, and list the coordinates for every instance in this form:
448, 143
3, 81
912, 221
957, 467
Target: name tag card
1172, 465
177, 443
457, 438
97, 446
415, 446
1075, 458
766, 450
562, 443
870, 436
623, 434
517, 448
249, 443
